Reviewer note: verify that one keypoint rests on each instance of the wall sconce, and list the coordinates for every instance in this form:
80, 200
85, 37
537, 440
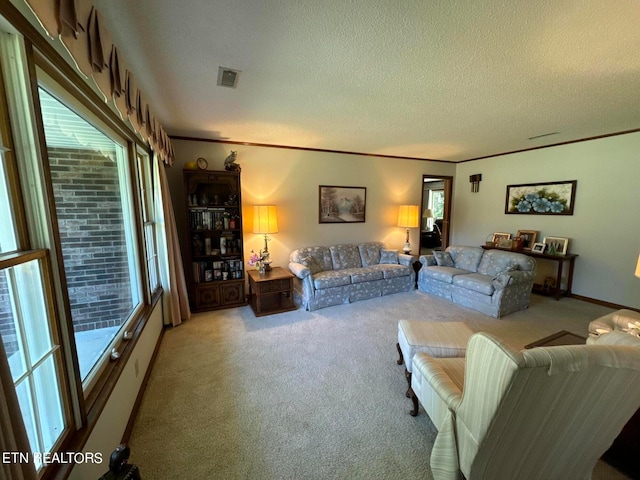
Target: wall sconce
475, 182
408, 217
638, 267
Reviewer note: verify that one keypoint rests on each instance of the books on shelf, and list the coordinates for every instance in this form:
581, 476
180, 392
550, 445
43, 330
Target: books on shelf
207, 219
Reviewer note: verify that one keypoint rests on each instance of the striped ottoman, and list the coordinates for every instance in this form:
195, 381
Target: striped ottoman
437, 339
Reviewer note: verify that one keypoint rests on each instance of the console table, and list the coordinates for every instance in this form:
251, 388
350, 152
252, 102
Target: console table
569, 258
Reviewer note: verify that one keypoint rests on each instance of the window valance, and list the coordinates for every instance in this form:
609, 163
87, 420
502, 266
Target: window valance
82, 31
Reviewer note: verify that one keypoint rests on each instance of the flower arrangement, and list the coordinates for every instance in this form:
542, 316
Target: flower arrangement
258, 260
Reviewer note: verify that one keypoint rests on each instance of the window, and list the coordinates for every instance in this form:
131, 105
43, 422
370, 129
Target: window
93, 202
72, 245
28, 320
147, 187
34, 354
437, 203
8, 240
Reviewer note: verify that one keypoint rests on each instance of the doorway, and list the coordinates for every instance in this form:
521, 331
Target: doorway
436, 212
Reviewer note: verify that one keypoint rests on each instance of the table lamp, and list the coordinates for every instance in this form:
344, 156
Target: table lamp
265, 221
408, 217
638, 267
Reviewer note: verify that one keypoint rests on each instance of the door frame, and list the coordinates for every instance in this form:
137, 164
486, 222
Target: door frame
446, 221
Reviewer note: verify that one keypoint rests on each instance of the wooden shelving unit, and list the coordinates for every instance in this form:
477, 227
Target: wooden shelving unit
215, 268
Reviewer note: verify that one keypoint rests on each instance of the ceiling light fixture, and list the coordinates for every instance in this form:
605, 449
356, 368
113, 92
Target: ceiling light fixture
544, 135
227, 77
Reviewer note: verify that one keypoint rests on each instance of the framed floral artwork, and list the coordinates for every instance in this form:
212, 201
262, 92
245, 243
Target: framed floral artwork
550, 198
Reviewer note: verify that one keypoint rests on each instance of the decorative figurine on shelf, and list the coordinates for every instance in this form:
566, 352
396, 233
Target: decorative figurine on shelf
119, 469
197, 245
230, 162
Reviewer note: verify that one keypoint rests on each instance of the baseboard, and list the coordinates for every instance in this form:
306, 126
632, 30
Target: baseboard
602, 302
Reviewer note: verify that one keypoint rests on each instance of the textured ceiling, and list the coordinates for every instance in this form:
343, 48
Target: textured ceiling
449, 79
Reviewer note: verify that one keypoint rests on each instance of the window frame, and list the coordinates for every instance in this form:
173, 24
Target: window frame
127, 177
16, 259
28, 176
146, 165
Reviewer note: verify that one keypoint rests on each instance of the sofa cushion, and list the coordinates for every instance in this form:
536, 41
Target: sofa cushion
311, 263
321, 256
370, 253
388, 257
359, 275
476, 282
443, 274
345, 256
466, 258
443, 259
392, 271
331, 278
495, 262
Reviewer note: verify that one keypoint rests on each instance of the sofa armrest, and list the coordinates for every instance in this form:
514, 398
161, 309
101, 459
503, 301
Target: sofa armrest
299, 270
516, 277
406, 260
428, 260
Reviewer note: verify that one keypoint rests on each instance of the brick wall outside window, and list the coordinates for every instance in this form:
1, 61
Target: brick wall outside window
7, 328
88, 204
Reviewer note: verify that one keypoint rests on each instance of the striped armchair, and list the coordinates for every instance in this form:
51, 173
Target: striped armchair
545, 413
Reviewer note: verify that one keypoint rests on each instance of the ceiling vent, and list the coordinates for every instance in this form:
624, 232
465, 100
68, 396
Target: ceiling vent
228, 77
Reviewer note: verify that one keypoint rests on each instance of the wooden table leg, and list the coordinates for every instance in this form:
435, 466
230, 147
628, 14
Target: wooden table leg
559, 280
570, 276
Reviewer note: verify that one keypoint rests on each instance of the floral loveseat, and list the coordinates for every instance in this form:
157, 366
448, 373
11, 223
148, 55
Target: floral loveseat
495, 282
348, 272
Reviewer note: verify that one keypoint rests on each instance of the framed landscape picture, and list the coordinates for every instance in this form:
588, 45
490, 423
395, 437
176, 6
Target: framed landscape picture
550, 198
342, 204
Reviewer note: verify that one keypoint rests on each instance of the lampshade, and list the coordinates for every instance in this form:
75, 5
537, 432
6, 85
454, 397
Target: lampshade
427, 213
265, 219
638, 267
409, 216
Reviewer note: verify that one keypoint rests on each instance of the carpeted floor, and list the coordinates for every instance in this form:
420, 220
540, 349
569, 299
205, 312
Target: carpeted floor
307, 395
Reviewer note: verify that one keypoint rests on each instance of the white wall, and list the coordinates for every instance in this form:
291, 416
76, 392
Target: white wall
605, 227
290, 179
604, 230
108, 432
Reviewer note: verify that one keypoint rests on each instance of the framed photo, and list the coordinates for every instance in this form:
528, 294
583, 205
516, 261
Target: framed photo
504, 243
551, 198
528, 237
342, 204
538, 248
501, 236
557, 245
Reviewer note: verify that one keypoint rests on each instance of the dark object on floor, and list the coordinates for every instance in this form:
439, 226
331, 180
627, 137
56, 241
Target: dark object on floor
119, 469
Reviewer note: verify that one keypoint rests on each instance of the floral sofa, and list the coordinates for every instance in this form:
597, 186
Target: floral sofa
495, 282
347, 273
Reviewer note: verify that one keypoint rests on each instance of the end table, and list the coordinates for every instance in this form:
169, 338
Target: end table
271, 292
